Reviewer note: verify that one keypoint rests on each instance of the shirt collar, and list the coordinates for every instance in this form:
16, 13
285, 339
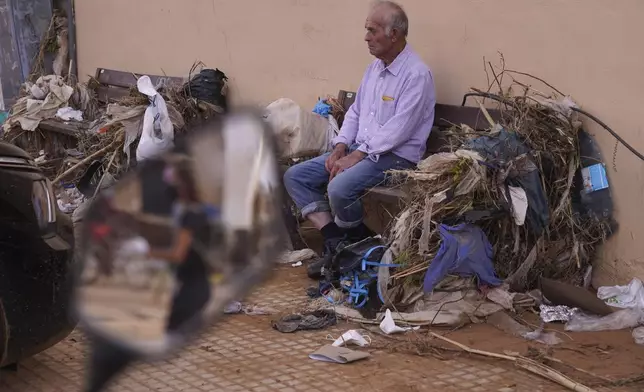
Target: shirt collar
399, 61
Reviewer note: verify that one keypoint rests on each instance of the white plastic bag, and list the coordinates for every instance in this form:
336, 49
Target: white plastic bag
631, 296
388, 325
157, 134
622, 319
638, 335
299, 132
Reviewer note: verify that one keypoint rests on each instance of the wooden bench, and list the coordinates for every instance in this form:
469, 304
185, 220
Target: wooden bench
114, 85
445, 117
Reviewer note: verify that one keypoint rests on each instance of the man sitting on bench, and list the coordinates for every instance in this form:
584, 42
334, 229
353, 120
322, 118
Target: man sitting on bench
386, 128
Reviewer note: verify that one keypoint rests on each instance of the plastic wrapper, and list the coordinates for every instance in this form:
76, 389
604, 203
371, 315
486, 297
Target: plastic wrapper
557, 313
622, 319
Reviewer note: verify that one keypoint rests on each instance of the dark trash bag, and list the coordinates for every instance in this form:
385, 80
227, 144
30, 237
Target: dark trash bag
504, 147
209, 86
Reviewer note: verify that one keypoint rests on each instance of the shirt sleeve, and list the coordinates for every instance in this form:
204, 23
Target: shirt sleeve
410, 110
349, 129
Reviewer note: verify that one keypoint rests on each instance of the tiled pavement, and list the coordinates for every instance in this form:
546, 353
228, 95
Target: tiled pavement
243, 353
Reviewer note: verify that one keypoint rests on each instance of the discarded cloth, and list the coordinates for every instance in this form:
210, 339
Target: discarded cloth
322, 108
299, 322
46, 96
339, 355
464, 251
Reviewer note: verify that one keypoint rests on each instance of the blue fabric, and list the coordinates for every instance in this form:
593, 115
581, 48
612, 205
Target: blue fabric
464, 251
322, 108
307, 182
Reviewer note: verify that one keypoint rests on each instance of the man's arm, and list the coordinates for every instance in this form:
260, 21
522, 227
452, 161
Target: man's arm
349, 129
413, 100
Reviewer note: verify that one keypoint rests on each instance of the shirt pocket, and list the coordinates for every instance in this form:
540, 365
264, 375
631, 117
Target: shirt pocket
386, 110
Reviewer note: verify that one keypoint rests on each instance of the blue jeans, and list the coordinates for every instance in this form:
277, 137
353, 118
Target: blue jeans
306, 183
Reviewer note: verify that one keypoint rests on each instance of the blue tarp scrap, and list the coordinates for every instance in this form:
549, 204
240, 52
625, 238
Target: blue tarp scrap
464, 251
322, 108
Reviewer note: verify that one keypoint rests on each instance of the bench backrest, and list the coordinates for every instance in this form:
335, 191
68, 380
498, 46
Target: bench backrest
115, 85
445, 116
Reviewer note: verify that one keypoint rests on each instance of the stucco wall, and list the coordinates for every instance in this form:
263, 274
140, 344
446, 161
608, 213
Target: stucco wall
301, 49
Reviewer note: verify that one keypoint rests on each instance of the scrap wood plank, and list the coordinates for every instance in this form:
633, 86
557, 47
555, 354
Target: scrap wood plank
115, 85
69, 128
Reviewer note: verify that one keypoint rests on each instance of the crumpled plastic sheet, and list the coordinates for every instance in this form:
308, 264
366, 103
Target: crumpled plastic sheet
69, 199
622, 319
557, 313
630, 296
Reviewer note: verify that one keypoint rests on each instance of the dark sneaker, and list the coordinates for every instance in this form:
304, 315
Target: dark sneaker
314, 269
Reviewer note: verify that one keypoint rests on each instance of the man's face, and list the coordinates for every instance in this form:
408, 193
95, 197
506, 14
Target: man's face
377, 40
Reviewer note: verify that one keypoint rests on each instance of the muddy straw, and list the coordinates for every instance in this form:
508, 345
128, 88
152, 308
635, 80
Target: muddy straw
569, 240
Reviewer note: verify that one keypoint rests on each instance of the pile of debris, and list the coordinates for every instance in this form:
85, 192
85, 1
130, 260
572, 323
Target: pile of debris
486, 222
106, 130
504, 203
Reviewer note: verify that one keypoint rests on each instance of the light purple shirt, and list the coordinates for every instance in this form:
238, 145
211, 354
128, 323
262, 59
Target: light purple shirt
393, 110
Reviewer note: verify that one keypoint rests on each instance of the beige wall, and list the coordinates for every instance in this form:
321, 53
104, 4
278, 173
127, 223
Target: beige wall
591, 49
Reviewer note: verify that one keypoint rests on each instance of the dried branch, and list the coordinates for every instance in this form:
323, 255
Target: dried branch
524, 363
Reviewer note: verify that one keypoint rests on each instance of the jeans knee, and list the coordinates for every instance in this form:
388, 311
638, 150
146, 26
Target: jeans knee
339, 192
290, 179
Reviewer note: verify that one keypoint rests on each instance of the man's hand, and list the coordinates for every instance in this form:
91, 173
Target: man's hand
339, 151
348, 161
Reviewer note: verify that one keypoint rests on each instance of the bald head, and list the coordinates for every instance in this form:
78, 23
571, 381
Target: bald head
394, 16
387, 28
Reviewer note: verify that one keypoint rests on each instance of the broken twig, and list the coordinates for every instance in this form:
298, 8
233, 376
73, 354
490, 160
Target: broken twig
524, 363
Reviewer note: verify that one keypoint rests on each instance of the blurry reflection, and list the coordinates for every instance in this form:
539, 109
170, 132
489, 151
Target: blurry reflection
182, 236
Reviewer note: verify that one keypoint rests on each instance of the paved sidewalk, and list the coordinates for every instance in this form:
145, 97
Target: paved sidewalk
244, 354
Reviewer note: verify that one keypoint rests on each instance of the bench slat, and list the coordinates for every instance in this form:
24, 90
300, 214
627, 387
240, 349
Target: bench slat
384, 193
107, 94
110, 77
447, 115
